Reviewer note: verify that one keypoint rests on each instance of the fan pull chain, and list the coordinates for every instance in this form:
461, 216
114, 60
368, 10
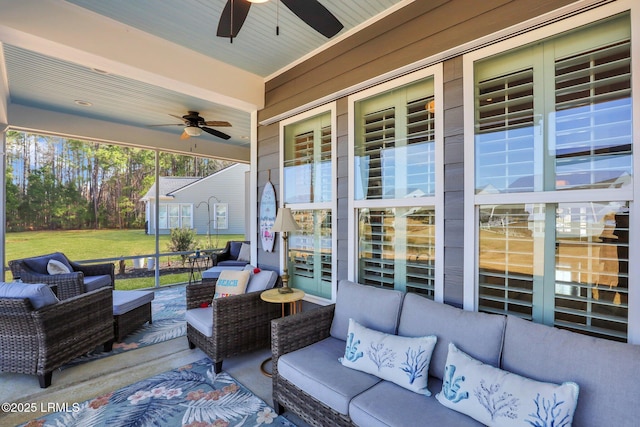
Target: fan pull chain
231, 29
277, 17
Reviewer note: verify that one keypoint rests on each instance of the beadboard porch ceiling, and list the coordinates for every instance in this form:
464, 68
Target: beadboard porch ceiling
107, 70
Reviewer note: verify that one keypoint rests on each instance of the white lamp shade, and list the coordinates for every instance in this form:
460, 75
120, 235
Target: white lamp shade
258, 1
284, 221
193, 131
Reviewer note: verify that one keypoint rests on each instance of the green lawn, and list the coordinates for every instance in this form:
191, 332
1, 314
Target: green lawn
80, 245
149, 282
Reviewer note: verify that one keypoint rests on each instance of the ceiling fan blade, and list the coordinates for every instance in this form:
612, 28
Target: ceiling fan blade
240, 12
315, 15
218, 124
167, 124
184, 135
215, 133
182, 119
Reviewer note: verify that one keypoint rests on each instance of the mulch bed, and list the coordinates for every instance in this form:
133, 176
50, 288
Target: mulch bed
165, 268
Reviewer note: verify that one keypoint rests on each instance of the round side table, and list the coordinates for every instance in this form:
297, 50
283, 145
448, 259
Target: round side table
294, 299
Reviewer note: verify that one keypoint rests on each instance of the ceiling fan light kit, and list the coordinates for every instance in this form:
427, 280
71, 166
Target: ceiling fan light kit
193, 131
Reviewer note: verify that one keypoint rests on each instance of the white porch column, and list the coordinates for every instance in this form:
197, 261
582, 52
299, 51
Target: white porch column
4, 97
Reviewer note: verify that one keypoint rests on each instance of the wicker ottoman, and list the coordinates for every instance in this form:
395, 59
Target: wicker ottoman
131, 309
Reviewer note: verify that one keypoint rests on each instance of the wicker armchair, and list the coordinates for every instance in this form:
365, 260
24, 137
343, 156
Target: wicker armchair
240, 323
40, 341
229, 256
80, 280
292, 333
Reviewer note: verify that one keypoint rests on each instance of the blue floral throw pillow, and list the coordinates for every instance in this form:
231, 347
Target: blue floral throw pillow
401, 360
500, 398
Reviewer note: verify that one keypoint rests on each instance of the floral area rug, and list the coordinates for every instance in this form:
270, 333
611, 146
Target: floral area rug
167, 313
191, 396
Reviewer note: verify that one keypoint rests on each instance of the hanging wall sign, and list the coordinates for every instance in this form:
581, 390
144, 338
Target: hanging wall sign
267, 216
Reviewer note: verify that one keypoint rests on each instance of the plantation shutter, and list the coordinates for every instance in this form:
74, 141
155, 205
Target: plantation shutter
593, 116
377, 248
379, 137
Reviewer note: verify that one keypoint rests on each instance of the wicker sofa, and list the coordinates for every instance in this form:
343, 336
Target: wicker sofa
309, 380
82, 277
37, 341
233, 325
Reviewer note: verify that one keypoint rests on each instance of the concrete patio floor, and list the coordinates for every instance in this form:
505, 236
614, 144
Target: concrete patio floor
91, 379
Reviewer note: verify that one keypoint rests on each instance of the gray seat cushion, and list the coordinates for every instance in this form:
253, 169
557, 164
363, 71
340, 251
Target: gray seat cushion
477, 334
91, 283
386, 404
201, 318
214, 272
606, 371
316, 370
125, 301
374, 308
232, 263
40, 295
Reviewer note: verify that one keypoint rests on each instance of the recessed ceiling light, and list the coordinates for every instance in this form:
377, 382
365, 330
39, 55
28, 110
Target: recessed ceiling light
83, 103
99, 71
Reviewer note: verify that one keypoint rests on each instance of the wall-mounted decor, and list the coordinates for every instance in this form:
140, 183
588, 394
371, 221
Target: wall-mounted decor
267, 216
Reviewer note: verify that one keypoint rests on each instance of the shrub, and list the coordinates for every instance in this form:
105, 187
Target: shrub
182, 240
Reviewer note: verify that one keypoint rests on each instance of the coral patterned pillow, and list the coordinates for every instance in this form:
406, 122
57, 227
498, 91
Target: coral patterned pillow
401, 360
500, 398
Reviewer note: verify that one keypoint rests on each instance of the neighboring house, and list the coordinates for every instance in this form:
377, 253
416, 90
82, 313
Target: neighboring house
214, 204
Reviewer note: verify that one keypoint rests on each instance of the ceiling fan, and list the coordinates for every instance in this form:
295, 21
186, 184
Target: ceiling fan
194, 125
311, 12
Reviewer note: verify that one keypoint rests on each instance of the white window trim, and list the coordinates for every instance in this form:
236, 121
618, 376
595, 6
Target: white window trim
437, 200
215, 216
331, 108
471, 200
180, 205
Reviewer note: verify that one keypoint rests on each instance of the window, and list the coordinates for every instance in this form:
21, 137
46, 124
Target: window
221, 216
174, 215
396, 194
310, 264
309, 192
395, 144
553, 147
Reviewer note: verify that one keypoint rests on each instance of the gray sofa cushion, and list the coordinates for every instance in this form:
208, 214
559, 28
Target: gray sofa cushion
373, 308
387, 404
479, 335
39, 264
39, 294
316, 370
606, 371
261, 281
91, 283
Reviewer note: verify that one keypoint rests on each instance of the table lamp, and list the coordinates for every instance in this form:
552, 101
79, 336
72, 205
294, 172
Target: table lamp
284, 224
